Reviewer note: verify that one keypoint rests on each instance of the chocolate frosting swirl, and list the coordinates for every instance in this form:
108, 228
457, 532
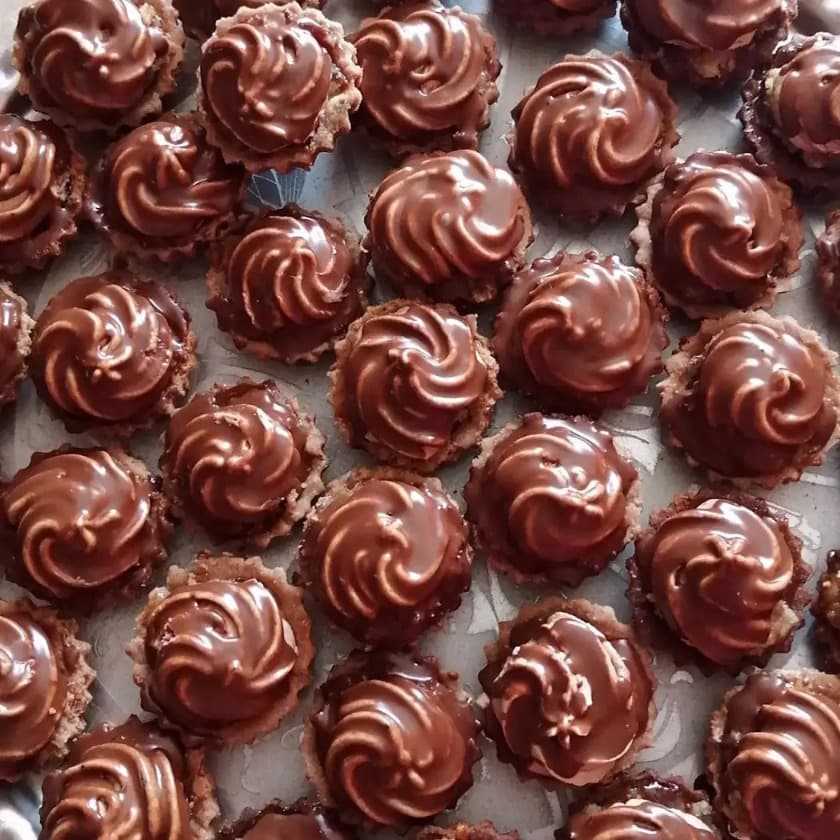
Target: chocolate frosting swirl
697, 24
219, 652
266, 78
91, 59
410, 376
780, 758
82, 520
567, 704
11, 323
33, 689
199, 16
108, 348
127, 781
443, 221
395, 741
638, 820
425, 71
718, 574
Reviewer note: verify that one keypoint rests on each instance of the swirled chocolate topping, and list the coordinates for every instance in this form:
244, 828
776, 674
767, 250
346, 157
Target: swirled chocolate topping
91, 59
163, 185
266, 78
386, 557
755, 401
200, 16
638, 820
567, 704
11, 324
123, 781
579, 328
219, 652
448, 226
410, 376
550, 498
81, 520
696, 24
716, 231
108, 348
305, 820
33, 689
426, 70
395, 740
719, 574
235, 456
780, 759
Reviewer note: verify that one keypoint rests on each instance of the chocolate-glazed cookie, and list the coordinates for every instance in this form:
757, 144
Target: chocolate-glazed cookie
718, 580
289, 286
826, 610
277, 86
772, 756
243, 462
413, 384
161, 191
569, 693
580, 332
448, 227
718, 232
112, 353
429, 78
84, 526
556, 17
391, 741
590, 133
305, 820
706, 46
752, 399
15, 341
386, 555
828, 261
199, 17
466, 831
551, 499
98, 64
130, 780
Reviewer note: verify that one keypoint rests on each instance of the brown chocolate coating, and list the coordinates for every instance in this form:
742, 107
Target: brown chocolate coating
548, 499
386, 555
826, 611
123, 781
12, 363
428, 77
292, 283
394, 740
591, 132
305, 820
200, 16
580, 332
568, 701
80, 521
448, 226
111, 350
779, 758
556, 17
753, 403
828, 266
33, 690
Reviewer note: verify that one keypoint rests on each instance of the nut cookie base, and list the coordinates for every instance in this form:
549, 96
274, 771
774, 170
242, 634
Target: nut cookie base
24, 345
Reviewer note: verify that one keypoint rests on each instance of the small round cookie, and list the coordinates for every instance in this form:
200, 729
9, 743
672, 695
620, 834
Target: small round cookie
591, 133
277, 85
772, 756
569, 694
223, 650
718, 580
828, 261
307, 819
390, 741
414, 384
42, 182
448, 227
15, 342
718, 232
130, 780
199, 17
556, 17
551, 499
288, 287
580, 333
465, 831
707, 47
428, 78
751, 399
242, 462
386, 555
83, 526
161, 191
112, 354
98, 64
826, 610
44, 682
